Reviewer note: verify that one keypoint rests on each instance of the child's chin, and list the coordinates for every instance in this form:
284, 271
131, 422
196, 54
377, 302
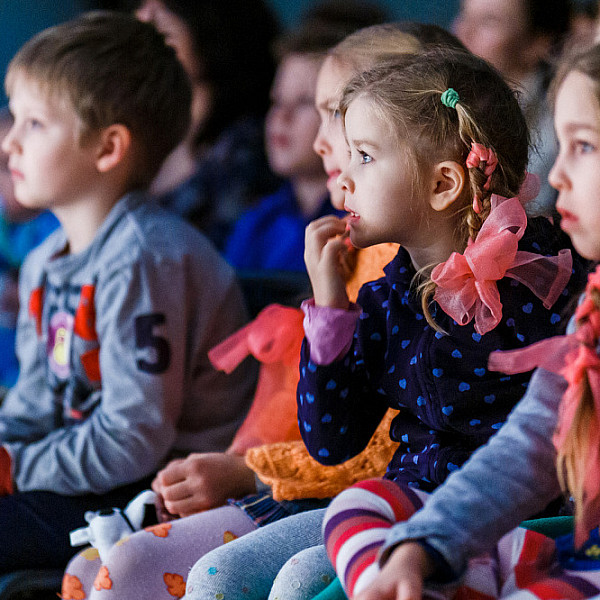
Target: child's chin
357, 242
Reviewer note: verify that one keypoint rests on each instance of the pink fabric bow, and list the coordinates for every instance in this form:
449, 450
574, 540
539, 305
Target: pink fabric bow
571, 356
275, 335
466, 283
478, 154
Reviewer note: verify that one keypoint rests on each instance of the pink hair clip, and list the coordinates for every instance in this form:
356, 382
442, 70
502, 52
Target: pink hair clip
480, 154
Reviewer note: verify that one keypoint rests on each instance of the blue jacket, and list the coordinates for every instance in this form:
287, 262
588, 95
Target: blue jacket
449, 403
271, 236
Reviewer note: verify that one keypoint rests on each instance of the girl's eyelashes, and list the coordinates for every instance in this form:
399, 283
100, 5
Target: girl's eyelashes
333, 114
33, 123
364, 157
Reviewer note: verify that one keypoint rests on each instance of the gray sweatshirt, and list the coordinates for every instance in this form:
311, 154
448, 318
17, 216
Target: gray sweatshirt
112, 344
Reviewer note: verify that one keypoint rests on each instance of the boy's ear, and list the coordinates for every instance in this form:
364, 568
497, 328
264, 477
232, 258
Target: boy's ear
448, 180
113, 146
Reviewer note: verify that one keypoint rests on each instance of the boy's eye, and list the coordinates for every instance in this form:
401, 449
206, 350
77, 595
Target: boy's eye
336, 113
33, 123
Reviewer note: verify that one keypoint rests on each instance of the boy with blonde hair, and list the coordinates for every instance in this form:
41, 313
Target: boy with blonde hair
118, 307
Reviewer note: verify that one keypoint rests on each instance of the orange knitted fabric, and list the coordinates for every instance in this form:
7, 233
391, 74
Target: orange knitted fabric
369, 266
292, 473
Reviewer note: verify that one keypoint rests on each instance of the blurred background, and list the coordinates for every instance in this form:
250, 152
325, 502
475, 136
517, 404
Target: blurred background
20, 19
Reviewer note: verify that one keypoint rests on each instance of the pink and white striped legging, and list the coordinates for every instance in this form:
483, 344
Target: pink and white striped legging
522, 567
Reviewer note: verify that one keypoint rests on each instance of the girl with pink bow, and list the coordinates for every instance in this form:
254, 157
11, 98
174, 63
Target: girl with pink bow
550, 443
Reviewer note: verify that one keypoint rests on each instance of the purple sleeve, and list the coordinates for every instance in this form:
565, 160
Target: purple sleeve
329, 331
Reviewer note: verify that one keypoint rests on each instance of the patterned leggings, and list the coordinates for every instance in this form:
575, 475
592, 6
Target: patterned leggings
522, 567
153, 563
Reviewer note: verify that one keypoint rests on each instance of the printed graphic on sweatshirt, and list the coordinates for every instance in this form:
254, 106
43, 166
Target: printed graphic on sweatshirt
65, 321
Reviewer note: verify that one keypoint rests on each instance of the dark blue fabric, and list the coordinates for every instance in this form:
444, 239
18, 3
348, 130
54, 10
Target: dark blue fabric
230, 177
36, 525
271, 236
586, 558
263, 509
449, 402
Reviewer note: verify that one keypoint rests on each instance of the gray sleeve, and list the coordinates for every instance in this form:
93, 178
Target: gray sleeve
506, 481
134, 425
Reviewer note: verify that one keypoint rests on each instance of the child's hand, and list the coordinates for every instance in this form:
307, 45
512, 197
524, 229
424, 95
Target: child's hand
402, 576
203, 481
326, 257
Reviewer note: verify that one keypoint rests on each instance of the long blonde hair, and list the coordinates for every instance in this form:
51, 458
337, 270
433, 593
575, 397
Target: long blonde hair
578, 443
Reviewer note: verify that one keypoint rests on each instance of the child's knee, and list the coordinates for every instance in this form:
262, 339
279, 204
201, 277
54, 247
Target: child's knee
303, 576
390, 500
216, 572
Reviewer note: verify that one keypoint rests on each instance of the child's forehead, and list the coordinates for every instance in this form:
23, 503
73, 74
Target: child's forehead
577, 99
26, 88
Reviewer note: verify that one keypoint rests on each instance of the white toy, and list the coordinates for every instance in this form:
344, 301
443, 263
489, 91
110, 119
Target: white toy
108, 526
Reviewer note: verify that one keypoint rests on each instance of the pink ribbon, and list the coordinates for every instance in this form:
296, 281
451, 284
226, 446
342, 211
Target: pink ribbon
275, 335
466, 283
478, 154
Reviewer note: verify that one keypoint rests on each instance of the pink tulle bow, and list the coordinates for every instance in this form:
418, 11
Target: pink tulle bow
478, 154
466, 283
275, 335
530, 188
566, 356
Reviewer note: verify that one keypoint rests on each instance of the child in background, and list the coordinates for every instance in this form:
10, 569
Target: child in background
219, 169
522, 39
271, 235
115, 319
21, 230
406, 352
549, 442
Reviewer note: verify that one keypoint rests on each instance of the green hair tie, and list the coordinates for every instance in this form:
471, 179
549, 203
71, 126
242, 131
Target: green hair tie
450, 98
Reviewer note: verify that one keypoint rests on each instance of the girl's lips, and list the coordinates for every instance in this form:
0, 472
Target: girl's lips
566, 216
16, 174
352, 216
